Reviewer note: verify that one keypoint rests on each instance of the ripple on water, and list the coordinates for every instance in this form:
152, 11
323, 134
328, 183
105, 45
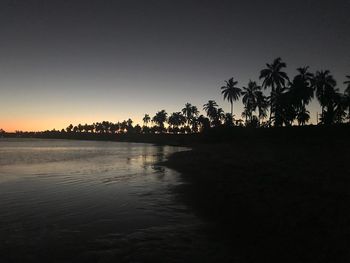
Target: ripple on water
91, 199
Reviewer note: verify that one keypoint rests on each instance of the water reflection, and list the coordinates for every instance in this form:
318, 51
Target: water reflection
64, 196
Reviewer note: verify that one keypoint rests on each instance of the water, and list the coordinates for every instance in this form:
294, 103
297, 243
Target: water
83, 200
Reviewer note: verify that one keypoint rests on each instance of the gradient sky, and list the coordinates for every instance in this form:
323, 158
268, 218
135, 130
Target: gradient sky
69, 61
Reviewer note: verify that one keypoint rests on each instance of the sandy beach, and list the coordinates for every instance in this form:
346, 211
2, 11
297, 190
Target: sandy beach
279, 197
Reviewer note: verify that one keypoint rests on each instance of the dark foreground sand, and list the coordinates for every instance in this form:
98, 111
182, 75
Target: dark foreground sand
285, 198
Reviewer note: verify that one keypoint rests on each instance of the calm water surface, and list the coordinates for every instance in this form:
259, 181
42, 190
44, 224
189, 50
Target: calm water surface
75, 200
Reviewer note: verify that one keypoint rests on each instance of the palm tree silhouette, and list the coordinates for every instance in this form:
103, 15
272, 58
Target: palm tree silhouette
137, 129
340, 107
80, 127
301, 87
69, 128
204, 122
347, 82
245, 114
176, 120
129, 122
274, 78
187, 111
86, 127
211, 109
195, 111
160, 118
303, 116
262, 104
190, 112
284, 110
249, 99
347, 95
146, 119
220, 116
129, 127
123, 126
324, 86
91, 128
231, 92
300, 94
228, 120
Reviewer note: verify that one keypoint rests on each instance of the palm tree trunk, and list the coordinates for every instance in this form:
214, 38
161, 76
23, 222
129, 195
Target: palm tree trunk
272, 92
232, 113
271, 100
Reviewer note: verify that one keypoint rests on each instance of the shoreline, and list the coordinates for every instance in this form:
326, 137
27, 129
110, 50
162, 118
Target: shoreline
221, 134
269, 194
156, 139
280, 198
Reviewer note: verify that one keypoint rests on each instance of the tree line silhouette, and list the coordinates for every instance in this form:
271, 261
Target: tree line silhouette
288, 98
285, 105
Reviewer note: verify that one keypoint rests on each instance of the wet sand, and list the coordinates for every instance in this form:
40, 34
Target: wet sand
280, 198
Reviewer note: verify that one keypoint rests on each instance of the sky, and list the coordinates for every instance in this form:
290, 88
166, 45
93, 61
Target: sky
67, 61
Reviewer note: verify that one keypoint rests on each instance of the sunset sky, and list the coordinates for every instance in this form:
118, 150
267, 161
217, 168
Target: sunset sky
65, 62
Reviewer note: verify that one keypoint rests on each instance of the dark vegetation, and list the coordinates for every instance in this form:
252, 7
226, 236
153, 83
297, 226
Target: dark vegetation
285, 105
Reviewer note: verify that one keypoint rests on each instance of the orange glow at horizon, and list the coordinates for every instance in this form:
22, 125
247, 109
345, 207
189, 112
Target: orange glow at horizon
59, 123
35, 125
